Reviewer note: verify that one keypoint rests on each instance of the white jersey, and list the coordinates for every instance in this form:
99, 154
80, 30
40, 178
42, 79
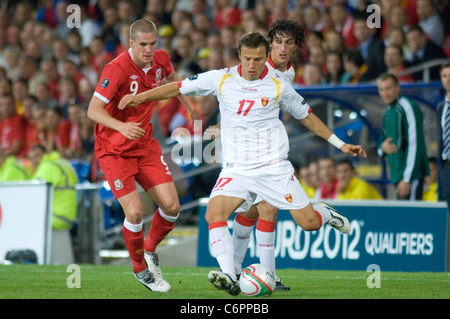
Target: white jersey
288, 75
252, 135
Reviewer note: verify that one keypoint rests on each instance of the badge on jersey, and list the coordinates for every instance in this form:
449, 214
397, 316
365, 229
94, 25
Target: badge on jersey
158, 74
264, 100
105, 83
118, 184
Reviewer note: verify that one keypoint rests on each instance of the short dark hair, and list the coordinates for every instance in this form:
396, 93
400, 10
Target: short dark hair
444, 66
396, 47
287, 27
354, 56
386, 76
254, 40
345, 161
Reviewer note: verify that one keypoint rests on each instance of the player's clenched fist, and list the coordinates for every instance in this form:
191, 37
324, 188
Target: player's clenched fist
128, 100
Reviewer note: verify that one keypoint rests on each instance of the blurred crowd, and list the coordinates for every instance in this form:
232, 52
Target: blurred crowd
50, 65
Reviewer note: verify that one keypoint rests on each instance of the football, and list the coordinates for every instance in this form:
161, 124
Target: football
257, 281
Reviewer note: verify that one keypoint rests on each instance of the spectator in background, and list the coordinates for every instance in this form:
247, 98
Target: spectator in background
62, 15
68, 93
371, 49
334, 42
60, 173
73, 41
402, 140
393, 58
226, 14
430, 191
312, 74
398, 18
335, 68
354, 67
12, 127
230, 57
57, 134
396, 36
422, 50
312, 19
87, 136
29, 71
100, 56
328, 188
89, 29
73, 150
304, 175
51, 76
318, 56
443, 119
184, 58
36, 127
430, 21
11, 170
344, 23
20, 91
44, 96
351, 187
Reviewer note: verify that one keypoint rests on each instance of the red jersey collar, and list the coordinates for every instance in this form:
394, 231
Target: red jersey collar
263, 74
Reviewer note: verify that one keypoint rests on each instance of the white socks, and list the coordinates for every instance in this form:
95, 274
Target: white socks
221, 246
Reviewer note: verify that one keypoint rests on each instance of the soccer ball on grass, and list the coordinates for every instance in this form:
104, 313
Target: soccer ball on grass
257, 281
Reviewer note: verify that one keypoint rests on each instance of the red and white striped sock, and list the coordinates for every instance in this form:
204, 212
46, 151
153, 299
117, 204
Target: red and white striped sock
242, 229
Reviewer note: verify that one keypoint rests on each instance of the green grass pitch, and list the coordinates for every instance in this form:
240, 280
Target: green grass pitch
118, 282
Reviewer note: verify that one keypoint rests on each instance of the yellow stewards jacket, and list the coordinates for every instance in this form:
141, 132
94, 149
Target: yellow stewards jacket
359, 189
12, 171
61, 174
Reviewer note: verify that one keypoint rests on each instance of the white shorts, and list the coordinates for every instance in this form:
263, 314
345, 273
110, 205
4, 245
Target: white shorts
275, 183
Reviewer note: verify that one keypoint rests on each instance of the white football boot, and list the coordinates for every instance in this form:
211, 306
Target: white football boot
149, 282
224, 281
152, 261
337, 220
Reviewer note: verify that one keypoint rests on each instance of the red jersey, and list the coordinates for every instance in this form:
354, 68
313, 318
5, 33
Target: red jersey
122, 76
12, 129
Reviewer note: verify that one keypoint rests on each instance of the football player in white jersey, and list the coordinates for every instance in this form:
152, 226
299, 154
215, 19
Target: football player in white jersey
255, 147
286, 37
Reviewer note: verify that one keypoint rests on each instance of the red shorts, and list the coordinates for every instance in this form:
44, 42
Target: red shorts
147, 168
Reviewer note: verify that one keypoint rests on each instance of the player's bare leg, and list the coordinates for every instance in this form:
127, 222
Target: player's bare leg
314, 217
166, 198
218, 211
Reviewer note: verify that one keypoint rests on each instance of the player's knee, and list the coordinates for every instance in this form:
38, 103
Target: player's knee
311, 225
134, 215
268, 212
172, 208
212, 216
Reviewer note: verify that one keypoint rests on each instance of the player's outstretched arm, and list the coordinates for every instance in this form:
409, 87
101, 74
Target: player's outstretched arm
191, 108
315, 125
163, 92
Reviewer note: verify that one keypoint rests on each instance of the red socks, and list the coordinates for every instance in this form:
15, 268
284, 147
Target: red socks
135, 246
161, 226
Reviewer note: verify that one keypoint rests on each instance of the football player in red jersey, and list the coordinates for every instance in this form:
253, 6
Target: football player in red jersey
127, 153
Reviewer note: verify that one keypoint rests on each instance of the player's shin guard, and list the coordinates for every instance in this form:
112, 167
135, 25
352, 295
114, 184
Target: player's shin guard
134, 240
265, 241
242, 229
221, 246
162, 225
